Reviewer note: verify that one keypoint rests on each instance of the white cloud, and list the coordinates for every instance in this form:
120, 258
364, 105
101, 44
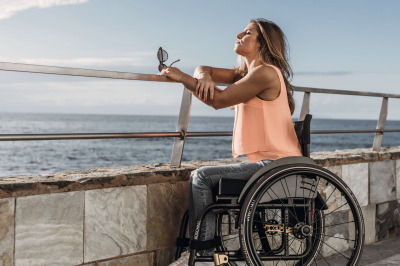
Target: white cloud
9, 8
137, 59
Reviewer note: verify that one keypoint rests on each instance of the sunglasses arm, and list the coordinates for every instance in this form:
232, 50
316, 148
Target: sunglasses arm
175, 62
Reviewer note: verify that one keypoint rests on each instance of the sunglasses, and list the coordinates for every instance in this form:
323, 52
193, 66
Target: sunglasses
162, 56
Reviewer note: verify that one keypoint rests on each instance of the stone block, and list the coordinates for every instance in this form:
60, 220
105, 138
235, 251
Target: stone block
7, 231
115, 222
165, 257
382, 182
336, 233
49, 229
369, 214
337, 170
398, 178
146, 259
166, 205
356, 177
387, 218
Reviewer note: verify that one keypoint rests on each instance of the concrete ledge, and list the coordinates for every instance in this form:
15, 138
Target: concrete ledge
144, 174
131, 215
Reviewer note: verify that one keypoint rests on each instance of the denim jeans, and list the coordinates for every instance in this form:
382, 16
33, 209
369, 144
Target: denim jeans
201, 183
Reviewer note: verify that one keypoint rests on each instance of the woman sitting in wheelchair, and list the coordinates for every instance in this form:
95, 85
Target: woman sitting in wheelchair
272, 210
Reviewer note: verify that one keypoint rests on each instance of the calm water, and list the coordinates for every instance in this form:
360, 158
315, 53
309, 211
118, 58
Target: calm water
39, 157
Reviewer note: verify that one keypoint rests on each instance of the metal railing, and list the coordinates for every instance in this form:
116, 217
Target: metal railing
184, 113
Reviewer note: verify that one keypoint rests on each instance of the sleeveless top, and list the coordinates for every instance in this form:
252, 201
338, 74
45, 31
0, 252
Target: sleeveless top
263, 129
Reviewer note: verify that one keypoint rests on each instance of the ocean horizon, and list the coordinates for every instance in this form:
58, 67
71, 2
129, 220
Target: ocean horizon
47, 157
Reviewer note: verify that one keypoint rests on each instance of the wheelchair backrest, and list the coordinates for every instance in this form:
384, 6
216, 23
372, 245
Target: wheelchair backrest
303, 132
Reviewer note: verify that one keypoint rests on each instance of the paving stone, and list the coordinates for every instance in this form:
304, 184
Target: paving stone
394, 260
356, 177
371, 253
382, 182
115, 222
49, 229
7, 231
166, 205
387, 217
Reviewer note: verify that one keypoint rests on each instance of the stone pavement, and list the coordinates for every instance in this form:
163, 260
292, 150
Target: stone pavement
382, 253
393, 260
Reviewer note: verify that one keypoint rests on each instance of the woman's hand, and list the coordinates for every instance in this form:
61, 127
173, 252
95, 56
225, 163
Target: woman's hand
205, 87
173, 73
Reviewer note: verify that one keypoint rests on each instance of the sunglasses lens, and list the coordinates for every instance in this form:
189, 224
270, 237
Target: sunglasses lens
162, 55
161, 67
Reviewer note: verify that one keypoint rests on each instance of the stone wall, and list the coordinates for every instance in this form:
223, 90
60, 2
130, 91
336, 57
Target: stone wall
131, 215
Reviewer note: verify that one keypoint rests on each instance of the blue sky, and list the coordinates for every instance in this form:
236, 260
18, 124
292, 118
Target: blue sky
349, 45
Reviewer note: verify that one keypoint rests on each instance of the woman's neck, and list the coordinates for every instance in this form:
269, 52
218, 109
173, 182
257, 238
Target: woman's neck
252, 62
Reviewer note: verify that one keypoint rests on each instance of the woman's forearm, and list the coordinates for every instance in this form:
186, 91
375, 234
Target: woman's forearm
190, 84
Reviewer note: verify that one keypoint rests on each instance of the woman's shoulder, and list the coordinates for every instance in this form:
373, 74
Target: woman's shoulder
268, 72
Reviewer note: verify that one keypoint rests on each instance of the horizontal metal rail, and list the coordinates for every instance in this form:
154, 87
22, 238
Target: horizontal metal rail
81, 72
344, 92
27, 137
6, 66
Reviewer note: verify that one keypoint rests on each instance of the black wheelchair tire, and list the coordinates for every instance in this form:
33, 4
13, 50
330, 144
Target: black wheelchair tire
269, 178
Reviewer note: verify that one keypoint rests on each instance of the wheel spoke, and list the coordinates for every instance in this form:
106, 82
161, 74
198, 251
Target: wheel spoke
335, 250
280, 201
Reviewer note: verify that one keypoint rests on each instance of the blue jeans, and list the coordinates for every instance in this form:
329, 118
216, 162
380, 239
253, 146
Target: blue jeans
201, 183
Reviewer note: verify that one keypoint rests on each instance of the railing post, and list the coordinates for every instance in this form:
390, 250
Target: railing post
305, 107
381, 125
182, 125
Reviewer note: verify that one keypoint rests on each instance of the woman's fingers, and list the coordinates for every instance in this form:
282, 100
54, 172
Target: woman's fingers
206, 93
212, 92
197, 88
201, 91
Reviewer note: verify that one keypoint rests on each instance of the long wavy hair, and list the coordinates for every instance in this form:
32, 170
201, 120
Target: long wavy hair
274, 50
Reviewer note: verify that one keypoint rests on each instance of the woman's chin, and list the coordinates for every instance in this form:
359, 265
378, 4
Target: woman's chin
236, 50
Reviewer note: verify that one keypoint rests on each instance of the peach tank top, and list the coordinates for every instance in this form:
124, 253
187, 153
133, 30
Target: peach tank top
263, 129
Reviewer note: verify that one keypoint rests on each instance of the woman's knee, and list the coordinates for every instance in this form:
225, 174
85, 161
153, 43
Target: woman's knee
198, 177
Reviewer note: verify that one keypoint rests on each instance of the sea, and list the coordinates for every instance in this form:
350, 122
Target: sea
46, 157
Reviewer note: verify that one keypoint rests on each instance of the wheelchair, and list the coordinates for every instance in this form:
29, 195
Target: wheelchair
290, 212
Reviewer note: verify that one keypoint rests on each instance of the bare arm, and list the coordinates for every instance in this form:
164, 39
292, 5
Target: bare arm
256, 81
220, 75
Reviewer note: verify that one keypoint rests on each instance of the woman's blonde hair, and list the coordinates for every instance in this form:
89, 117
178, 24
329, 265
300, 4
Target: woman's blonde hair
274, 50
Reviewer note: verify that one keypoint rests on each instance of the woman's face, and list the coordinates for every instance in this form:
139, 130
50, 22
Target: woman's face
247, 44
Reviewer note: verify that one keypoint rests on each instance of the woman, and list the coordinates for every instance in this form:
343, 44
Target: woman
262, 96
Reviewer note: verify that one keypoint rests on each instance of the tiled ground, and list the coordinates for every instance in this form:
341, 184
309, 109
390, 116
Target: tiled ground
385, 252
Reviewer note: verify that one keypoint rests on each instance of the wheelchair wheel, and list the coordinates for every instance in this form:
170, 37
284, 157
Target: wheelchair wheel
301, 215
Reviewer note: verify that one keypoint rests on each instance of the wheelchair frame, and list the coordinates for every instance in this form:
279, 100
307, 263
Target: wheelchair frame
225, 203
